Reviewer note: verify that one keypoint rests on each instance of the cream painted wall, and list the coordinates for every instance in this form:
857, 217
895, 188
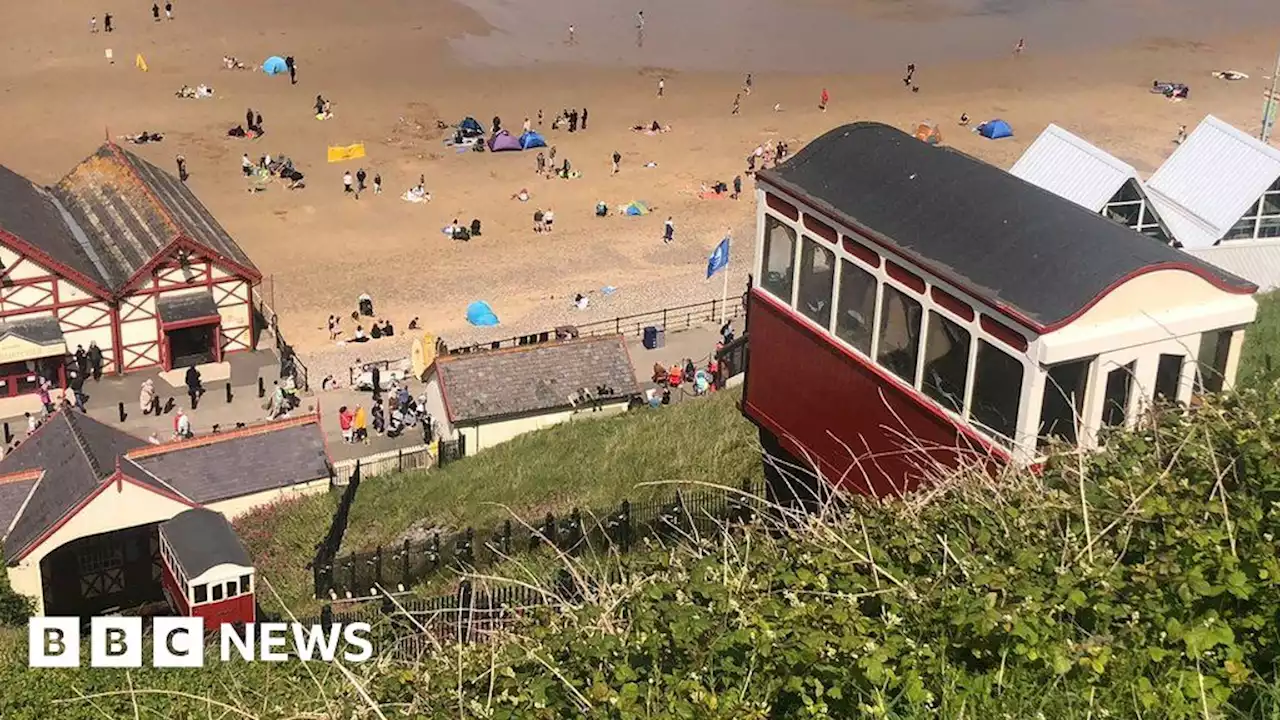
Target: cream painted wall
435, 406
67, 292
233, 307
1153, 293
495, 433
119, 506
28, 296
235, 507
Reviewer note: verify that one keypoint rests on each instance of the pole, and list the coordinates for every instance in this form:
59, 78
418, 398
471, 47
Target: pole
1269, 108
724, 294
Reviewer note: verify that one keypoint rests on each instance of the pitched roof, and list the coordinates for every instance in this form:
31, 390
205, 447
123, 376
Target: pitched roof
132, 210
1259, 261
35, 217
237, 463
76, 454
39, 330
1041, 259
499, 383
1072, 168
1210, 180
202, 539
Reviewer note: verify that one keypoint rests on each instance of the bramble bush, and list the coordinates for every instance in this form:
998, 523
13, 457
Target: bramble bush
1139, 581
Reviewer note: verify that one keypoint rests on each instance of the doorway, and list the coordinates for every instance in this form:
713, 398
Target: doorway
194, 345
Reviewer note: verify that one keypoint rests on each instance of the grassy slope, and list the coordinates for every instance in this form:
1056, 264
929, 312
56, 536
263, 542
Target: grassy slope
1262, 339
590, 464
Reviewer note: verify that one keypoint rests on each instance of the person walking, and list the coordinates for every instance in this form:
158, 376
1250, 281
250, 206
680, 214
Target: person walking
95, 360
194, 388
93, 25
662, 86
76, 384
570, 33
293, 76
737, 187
617, 158
377, 183
668, 231
347, 181
168, 9
746, 86
360, 178
639, 19
182, 167
246, 165
825, 98
737, 104
528, 126
106, 23
248, 119
1022, 45
82, 360
155, 12
584, 118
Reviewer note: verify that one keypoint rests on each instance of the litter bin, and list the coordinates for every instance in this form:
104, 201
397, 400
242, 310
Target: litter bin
650, 338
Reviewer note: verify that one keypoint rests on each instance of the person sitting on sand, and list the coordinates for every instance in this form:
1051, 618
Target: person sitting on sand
522, 196
375, 330
964, 119
413, 324
387, 329
359, 335
602, 209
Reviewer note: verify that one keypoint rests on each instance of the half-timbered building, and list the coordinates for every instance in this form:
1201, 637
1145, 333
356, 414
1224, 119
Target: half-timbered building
122, 255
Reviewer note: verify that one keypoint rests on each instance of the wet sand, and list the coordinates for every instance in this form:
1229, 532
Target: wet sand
394, 67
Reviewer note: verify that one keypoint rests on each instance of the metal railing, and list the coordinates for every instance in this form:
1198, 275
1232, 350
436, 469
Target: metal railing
416, 457
290, 364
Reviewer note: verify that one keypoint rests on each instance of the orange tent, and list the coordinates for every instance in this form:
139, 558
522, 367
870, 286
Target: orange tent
928, 132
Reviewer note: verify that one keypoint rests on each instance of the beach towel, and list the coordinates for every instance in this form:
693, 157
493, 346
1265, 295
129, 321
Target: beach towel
342, 153
140, 62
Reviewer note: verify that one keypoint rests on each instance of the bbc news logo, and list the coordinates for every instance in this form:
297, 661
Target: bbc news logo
179, 642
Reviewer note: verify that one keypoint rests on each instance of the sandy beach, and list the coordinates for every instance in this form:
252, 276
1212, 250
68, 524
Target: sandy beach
393, 68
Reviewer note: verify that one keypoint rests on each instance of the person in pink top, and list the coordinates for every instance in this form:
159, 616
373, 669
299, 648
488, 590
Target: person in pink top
345, 421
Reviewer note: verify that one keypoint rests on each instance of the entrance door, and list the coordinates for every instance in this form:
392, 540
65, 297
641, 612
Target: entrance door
113, 570
195, 345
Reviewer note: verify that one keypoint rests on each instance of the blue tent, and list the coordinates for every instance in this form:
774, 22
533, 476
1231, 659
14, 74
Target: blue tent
995, 129
275, 65
470, 128
479, 313
531, 139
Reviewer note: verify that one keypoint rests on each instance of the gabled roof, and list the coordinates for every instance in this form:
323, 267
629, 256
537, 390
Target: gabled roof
1259, 261
233, 464
76, 454
1072, 168
502, 383
202, 539
133, 213
1210, 180
33, 217
1038, 258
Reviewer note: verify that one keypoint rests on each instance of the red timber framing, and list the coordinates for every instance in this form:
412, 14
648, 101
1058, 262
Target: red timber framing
24, 295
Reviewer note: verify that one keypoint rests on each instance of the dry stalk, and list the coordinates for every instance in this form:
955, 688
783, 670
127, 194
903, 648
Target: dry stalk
946, 548
421, 628
1221, 490
168, 693
307, 666
875, 570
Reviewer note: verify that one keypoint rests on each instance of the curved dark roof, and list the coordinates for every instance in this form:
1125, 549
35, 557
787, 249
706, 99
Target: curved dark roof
202, 539
1024, 250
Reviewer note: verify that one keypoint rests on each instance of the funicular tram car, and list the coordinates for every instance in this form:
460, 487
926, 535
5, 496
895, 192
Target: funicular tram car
913, 307
207, 572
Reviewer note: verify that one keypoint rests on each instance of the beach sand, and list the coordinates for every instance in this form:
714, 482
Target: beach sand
394, 68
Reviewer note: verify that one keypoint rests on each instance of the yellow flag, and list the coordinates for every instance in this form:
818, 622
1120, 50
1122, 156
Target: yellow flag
342, 153
140, 63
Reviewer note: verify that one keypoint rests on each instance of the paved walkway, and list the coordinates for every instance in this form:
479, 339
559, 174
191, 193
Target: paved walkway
697, 344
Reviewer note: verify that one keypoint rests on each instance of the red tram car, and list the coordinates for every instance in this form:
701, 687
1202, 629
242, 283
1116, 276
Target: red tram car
207, 572
912, 307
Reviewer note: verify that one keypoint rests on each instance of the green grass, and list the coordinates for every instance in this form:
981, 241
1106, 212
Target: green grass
1261, 341
592, 464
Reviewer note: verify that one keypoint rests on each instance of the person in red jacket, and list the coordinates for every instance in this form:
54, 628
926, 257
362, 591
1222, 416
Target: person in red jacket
345, 420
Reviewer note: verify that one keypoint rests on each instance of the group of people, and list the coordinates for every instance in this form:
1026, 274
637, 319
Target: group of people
402, 411
568, 119
356, 185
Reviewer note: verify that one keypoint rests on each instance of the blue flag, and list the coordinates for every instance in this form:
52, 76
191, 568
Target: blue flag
719, 259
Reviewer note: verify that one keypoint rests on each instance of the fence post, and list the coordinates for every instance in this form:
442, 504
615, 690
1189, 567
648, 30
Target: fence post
377, 565
463, 614
573, 532
463, 552
434, 551
351, 573
400, 459
404, 565
326, 617
624, 526
506, 538
549, 530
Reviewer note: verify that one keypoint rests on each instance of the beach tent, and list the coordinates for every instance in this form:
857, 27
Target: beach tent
928, 132
275, 65
470, 127
503, 140
995, 129
479, 313
531, 139
636, 208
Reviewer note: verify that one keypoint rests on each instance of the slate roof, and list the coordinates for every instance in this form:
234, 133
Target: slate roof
500, 383
76, 453
131, 210
238, 463
1210, 180
39, 330
187, 306
1018, 247
33, 215
202, 539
